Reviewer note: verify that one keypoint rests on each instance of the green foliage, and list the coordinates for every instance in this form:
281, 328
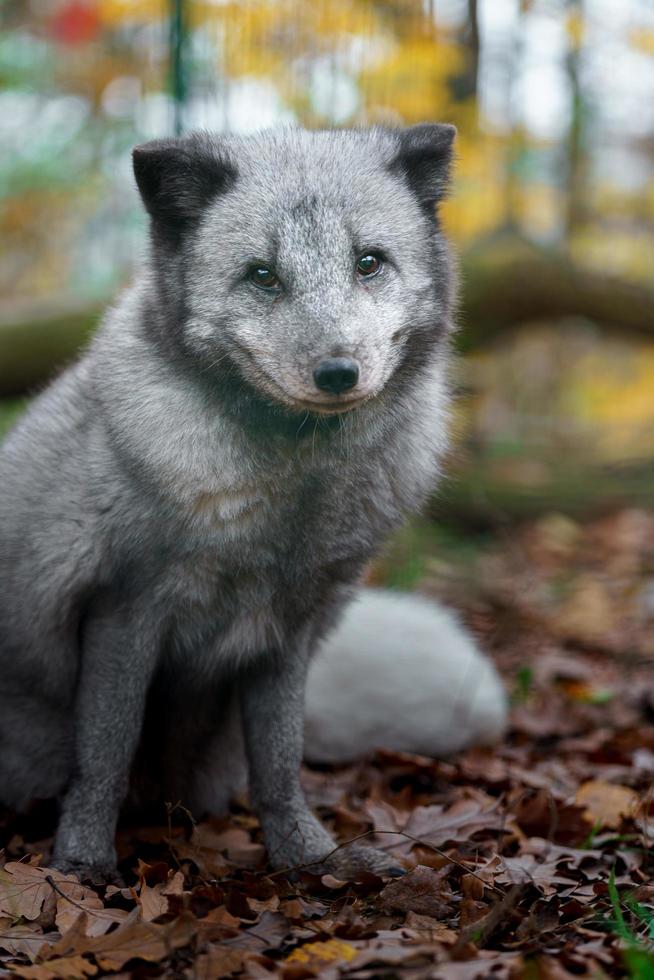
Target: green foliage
638, 955
10, 410
524, 680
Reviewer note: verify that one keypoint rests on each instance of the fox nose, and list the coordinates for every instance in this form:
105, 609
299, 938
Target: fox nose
336, 374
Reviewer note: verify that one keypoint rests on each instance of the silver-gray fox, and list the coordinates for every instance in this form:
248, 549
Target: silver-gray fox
185, 511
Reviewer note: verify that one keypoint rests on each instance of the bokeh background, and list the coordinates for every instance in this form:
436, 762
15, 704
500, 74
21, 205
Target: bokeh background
552, 211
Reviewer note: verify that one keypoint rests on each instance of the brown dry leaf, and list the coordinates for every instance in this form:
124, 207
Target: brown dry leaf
234, 842
76, 899
220, 918
99, 920
527, 870
218, 962
210, 863
24, 890
422, 890
429, 929
606, 804
551, 968
541, 918
572, 857
174, 885
438, 825
269, 932
22, 939
392, 954
588, 614
264, 904
153, 899
133, 939
66, 968
487, 966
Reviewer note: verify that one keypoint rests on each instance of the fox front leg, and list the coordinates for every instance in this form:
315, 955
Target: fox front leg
119, 655
272, 704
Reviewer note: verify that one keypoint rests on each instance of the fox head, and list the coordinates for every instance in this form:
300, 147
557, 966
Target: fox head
306, 268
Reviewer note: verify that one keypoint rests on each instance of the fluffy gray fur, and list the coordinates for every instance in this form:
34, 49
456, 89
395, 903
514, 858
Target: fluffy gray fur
183, 512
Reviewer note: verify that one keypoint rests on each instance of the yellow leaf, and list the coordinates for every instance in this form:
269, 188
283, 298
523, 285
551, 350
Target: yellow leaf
315, 955
606, 804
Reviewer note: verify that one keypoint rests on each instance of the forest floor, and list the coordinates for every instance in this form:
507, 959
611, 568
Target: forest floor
533, 859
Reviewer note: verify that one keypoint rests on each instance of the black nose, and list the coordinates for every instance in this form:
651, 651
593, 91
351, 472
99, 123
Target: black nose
336, 374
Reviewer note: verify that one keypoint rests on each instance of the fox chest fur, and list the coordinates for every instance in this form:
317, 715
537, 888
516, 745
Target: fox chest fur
242, 568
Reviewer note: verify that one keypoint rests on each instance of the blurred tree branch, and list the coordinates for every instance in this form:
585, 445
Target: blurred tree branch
38, 338
508, 281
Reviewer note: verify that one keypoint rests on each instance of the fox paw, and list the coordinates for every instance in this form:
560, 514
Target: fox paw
95, 874
354, 859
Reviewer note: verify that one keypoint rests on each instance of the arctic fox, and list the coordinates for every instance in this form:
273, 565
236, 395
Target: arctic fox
185, 512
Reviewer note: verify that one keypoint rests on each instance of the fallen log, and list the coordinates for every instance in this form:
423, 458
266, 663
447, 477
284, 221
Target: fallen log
509, 281
38, 338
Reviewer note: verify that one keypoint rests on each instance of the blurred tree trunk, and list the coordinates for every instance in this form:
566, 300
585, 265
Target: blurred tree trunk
178, 61
515, 144
464, 85
576, 149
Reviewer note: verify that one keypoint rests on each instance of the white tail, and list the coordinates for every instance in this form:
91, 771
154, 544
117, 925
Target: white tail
400, 672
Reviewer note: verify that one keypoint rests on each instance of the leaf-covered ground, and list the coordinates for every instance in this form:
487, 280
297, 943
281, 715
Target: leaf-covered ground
533, 859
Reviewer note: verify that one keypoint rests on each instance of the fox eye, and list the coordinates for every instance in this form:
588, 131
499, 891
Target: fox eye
263, 277
369, 265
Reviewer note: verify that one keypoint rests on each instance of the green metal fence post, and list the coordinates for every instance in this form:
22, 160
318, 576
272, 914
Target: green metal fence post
178, 60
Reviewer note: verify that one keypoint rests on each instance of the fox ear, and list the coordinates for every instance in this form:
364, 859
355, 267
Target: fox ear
178, 178
425, 157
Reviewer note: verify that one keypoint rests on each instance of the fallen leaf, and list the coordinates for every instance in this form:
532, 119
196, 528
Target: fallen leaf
24, 889
218, 962
152, 902
68, 968
491, 967
435, 824
422, 890
22, 939
606, 804
133, 939
234, 842
438, 825
429, 929
316, 956
73, 899
527, 870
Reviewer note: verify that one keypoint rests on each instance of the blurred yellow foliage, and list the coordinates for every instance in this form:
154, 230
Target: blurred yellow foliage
114, 12
575, 29
642, 39
413, 80
616, 395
